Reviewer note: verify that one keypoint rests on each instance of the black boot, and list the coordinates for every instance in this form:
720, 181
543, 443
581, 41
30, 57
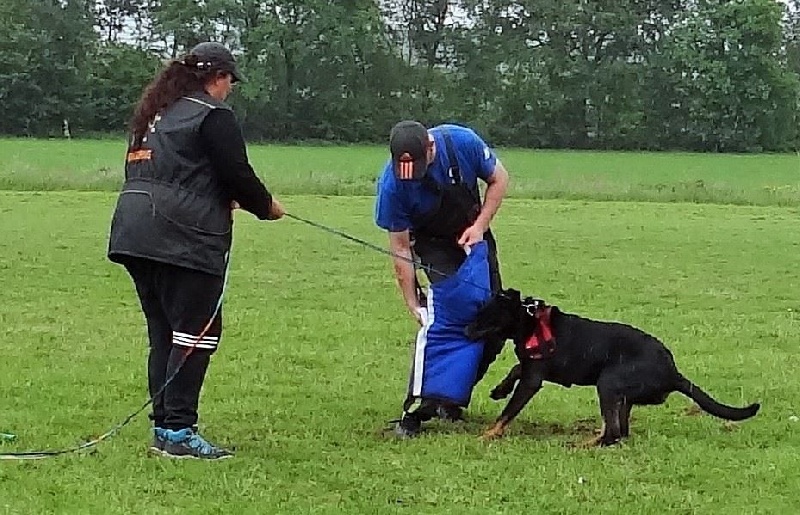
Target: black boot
409, 426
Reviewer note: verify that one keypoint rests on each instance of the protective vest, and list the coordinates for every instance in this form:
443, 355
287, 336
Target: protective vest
456, 208
172, 207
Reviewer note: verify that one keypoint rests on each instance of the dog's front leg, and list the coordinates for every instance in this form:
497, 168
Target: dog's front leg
506, 386
530, 382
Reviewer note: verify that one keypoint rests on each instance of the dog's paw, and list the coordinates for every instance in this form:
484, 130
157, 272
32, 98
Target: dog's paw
489, 436
591, 443
600, 440
499, 393
730, 425
493, 433
693, 411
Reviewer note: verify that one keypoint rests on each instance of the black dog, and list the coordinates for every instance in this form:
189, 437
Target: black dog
628, 366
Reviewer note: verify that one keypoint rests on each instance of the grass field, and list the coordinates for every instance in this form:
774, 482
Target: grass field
315, 356
351, 170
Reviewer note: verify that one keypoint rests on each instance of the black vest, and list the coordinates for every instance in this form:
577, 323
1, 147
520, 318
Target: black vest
456, 208
172, 207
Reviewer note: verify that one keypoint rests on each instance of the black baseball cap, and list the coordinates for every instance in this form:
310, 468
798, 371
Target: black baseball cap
408, 142
215, 55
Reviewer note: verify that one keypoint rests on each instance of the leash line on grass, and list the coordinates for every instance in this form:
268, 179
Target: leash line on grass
38, 455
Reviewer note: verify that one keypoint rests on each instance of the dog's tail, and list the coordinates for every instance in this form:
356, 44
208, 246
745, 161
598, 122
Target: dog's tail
711, 406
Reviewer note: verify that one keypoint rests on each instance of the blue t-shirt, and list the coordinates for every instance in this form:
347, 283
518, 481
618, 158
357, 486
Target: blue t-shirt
398, 200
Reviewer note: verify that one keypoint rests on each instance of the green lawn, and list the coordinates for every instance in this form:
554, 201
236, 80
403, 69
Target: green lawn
315, 356
351, 170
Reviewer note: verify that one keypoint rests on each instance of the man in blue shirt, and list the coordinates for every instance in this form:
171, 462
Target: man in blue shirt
428, 200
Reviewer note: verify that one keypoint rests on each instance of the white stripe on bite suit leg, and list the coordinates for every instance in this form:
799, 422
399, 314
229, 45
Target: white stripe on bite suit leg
428, 317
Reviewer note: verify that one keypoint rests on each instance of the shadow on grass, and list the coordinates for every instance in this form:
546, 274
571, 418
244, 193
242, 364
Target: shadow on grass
478, 423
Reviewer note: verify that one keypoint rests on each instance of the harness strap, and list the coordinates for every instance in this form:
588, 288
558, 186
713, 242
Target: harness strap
454, 175
542, 342
454, 172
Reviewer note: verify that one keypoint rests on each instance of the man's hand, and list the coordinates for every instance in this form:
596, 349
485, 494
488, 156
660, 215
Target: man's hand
400, 245
495, 191
419, 314
472, 235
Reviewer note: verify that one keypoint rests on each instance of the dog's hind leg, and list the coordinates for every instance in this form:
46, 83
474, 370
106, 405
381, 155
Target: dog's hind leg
530, 382
506, 386
612, 409
625, 418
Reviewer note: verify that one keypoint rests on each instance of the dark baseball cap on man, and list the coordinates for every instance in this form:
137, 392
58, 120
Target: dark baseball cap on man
215, 55
409, 143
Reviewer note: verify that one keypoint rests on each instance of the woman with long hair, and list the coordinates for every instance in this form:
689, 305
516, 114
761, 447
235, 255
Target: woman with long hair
186, 169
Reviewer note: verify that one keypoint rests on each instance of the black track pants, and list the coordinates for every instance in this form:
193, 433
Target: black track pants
178, 304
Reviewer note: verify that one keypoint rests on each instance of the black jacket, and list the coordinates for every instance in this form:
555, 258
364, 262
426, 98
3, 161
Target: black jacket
175, 204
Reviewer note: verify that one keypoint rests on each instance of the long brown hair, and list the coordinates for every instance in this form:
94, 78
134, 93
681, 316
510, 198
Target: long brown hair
178, 78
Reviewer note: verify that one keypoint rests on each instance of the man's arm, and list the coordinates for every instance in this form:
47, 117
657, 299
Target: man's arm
495, 191
400, 245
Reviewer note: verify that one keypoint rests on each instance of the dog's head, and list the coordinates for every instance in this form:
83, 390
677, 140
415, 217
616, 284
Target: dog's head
498, 318
507, 315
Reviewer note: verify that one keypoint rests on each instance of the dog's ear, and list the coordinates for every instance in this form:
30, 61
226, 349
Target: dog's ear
512, 294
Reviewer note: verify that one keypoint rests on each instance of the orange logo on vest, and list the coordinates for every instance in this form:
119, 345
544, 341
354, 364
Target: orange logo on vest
140, 155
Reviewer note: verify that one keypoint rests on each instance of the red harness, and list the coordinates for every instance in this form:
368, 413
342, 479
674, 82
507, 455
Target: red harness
541, 344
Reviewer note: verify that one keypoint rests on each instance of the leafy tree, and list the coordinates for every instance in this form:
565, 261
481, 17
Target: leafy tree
632, 74
45, 47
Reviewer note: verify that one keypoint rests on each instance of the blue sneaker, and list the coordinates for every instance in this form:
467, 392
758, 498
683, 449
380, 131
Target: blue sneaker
188, 444
159, 440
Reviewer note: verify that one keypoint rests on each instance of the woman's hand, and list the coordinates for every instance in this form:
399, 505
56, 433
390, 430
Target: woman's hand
276, 211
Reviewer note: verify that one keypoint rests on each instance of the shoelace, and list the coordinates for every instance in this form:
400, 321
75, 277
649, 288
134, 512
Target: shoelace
198, 443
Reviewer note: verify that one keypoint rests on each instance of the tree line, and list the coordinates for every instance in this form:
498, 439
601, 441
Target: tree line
700, 75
